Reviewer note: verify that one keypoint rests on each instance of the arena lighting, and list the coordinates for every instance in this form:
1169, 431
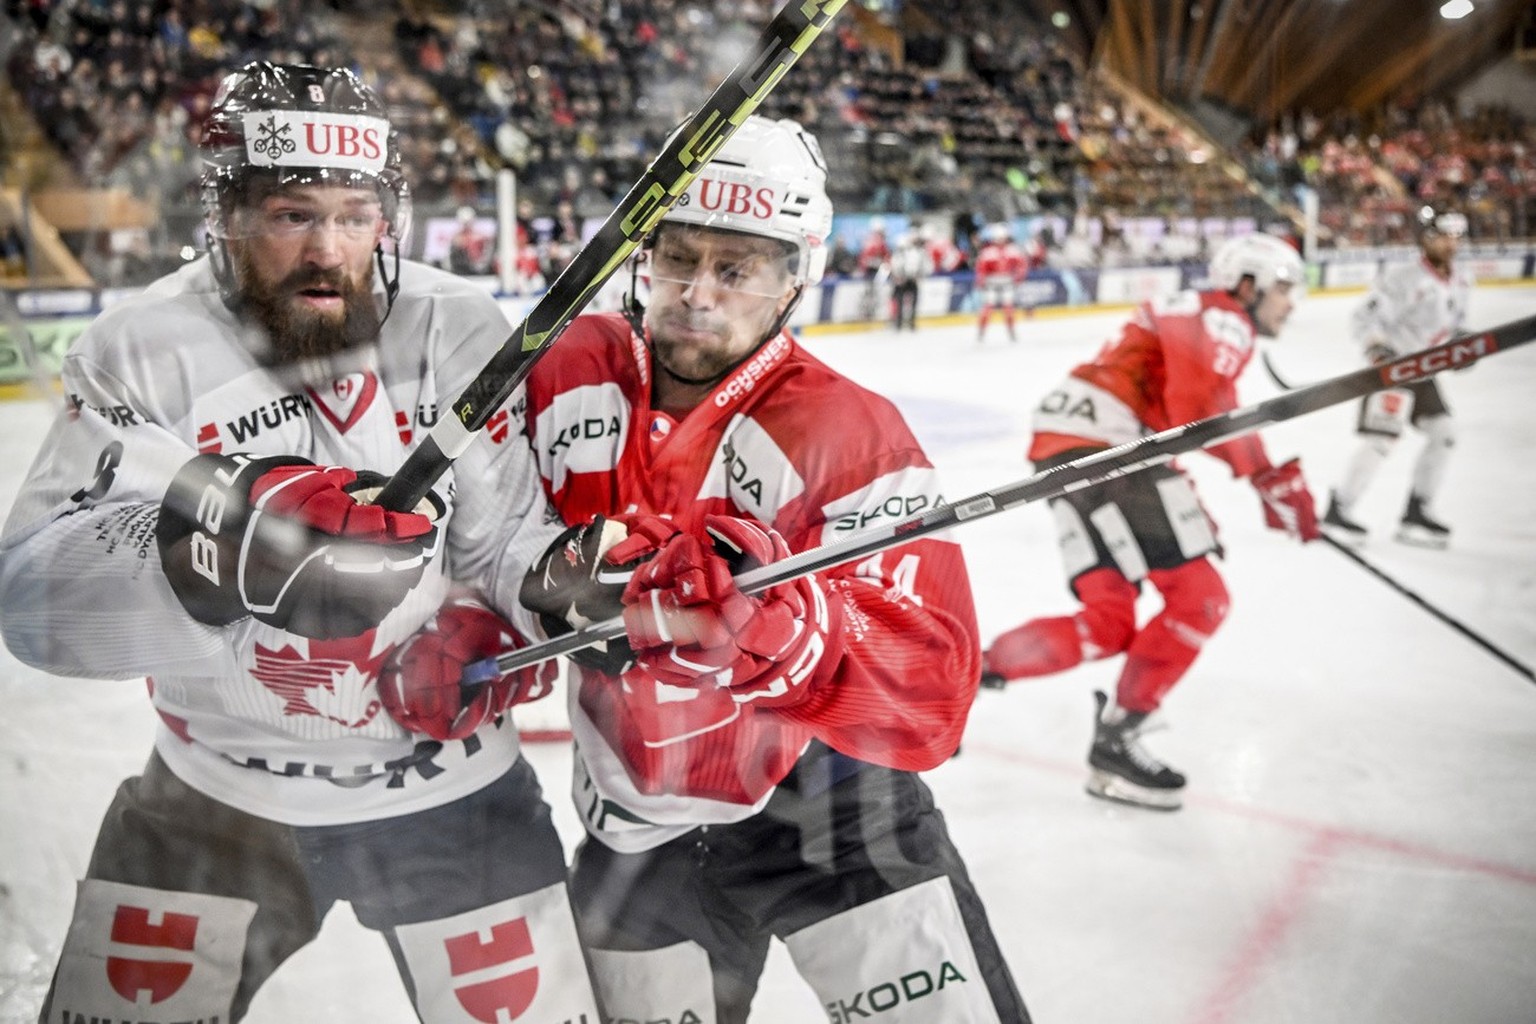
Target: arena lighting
1452, 10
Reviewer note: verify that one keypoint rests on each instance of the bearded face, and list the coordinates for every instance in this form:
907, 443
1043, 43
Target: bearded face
303, 260
298, 326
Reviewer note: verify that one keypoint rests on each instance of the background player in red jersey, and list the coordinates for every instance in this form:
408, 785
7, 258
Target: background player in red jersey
1000, 267
748, 770
1176, 361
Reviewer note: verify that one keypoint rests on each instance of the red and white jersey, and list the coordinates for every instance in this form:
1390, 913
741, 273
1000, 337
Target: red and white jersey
945, 256
280, 726
1175, 361
874, 253
786, 441
1001, 263
1412, 306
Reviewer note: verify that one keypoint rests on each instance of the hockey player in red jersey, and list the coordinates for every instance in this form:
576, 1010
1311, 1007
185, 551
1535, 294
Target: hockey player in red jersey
1176, 361
746, 768
190, 519
1000, 268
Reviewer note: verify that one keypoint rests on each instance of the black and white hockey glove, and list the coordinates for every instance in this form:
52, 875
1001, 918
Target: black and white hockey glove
289, 543
581, 576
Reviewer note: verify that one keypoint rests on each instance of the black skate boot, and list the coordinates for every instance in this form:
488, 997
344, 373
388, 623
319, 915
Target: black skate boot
1418, 529
1122, 770
1341, 526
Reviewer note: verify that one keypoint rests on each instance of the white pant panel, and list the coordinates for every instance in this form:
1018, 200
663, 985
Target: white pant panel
902, 959
1191, 526
1076, 549
514, 960
1386, 412
671, 984
147, 954
1121, 541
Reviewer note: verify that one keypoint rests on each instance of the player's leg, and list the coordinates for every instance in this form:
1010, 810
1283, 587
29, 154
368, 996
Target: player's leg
187, 903
852, 865
471, 897
1195, 603
664, 943
1380, 423
1430, 415
1045, 646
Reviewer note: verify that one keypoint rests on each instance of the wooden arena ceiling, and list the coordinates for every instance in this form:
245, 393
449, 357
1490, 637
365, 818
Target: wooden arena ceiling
1264, 57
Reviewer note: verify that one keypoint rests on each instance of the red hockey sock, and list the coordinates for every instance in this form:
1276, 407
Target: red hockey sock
1040, 647
1195, 602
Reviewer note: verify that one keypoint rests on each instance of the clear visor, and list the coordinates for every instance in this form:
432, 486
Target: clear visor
740, 267
352, 206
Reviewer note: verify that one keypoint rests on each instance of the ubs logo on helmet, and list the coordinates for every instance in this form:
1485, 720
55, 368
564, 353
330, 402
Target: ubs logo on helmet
733, 198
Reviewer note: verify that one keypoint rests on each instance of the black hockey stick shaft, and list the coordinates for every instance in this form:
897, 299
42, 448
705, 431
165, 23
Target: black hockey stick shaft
782, 42
1462, 628
1087, 471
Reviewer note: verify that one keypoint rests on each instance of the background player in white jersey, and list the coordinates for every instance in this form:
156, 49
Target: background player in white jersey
1410, 307
189, 519
1175, 361
751, 771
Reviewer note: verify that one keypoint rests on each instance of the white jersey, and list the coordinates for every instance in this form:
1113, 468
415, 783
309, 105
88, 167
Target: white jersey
1411, 307
272, 723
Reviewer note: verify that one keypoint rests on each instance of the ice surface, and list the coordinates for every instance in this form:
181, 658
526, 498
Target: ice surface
1359, 837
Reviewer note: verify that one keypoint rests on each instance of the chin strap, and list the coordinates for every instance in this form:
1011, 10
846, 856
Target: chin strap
391, 281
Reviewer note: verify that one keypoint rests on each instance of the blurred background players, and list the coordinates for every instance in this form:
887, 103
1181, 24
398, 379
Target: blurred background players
1000, 268
907, 267
751, 771
189, 519
1176, 361
1410, 307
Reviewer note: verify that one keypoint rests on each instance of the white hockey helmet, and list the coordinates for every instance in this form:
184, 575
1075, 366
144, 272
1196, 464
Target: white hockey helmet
1265, 258
998, 232
768, 179
1442, 222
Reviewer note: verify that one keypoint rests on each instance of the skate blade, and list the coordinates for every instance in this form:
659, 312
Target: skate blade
1108, 786
1417, 538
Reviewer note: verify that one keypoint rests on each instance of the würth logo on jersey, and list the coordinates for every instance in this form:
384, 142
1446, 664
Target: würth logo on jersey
161, 948
1449, 356
507, 993
334, 681
268, 416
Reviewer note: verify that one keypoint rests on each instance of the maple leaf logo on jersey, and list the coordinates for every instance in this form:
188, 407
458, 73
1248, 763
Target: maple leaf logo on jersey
335, 680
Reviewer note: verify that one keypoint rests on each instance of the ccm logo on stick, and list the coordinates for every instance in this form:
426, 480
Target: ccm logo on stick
1441, 357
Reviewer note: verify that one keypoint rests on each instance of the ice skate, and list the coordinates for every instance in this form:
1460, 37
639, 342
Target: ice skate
1418, 529
1340, 526
1124, 772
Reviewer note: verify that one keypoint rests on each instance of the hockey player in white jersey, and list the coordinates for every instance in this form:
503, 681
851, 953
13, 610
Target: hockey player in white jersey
195, 517
1411, 306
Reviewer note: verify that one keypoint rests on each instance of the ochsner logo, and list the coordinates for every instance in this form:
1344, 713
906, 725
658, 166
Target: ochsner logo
292, 138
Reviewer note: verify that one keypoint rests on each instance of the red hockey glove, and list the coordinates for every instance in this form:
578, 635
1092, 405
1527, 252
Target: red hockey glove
690, 626
581, 576
422, 684
290, 543
1288, 504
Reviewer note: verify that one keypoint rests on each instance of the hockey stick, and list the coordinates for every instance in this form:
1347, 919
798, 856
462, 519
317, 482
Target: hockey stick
1360, 560
786, 37
1274, 374
1072, 476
